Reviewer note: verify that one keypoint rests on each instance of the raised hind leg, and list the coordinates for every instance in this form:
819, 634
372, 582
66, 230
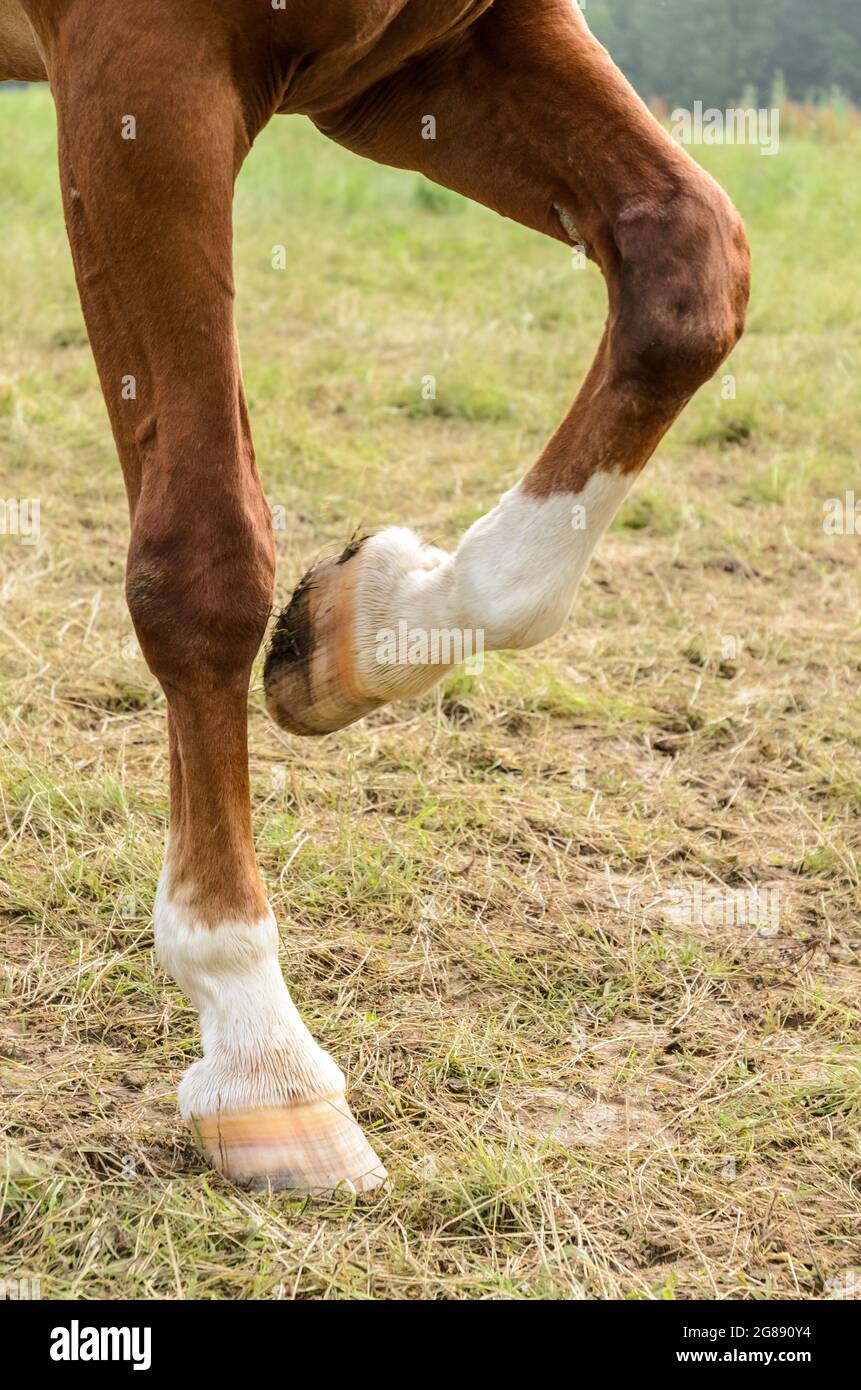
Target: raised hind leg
152, 131
532, 119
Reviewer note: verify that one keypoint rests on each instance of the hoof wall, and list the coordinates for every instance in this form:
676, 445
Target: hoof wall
309, 672
311, 1148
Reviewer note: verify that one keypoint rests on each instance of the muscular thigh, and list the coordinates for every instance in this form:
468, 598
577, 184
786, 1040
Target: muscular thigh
330, 52
530, 117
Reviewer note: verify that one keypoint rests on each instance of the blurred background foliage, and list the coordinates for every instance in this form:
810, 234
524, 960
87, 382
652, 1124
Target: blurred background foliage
682, 51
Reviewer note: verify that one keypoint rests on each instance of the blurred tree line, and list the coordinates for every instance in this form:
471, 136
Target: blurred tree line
716, 51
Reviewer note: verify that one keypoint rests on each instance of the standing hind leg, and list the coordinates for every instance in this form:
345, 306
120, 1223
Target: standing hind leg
532, 119
151, 135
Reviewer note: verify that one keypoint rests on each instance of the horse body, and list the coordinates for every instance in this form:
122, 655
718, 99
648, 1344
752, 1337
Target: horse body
513, 104
323, 53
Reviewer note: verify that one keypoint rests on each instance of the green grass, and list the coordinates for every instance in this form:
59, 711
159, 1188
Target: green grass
576, 1095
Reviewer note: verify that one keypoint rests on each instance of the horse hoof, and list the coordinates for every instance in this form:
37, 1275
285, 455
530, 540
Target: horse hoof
309, 675
311, 1148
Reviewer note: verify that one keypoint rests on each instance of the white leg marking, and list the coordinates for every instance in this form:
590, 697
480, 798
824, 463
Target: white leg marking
512, 579
257, 1052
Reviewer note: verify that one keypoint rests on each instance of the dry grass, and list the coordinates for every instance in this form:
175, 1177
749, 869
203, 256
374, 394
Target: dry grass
577, 1094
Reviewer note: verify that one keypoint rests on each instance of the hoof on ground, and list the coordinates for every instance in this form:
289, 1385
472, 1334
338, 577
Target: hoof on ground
311, 1148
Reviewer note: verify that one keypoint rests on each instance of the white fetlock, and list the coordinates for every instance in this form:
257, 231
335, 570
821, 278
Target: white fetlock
266, 1102
510, 584
402, 643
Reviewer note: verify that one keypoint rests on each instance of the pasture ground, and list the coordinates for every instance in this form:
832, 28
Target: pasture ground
578, 1092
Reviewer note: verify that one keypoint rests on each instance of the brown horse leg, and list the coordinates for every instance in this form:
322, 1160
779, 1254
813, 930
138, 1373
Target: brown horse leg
147, 186
532, 119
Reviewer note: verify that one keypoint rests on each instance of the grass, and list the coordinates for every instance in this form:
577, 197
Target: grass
579, 1094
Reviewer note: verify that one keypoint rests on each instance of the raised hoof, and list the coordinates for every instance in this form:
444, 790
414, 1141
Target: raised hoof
311, 1148
309, 675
